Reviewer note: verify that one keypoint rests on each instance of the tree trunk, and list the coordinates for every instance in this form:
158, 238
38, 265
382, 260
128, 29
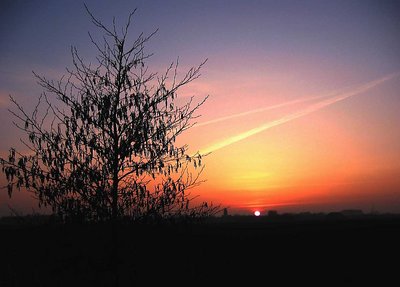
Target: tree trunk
114, 231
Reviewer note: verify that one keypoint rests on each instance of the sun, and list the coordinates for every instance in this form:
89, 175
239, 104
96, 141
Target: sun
257, 213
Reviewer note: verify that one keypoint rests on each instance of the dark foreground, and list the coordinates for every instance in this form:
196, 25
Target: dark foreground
239, 250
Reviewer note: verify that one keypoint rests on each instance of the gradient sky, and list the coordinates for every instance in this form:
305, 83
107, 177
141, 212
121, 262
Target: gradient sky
304, 106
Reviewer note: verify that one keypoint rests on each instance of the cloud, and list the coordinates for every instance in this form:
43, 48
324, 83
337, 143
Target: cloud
310, 109
221, 119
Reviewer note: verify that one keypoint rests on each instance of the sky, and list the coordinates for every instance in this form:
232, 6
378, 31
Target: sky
304, 96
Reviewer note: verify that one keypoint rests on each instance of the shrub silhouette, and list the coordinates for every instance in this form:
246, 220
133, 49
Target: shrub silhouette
103, 146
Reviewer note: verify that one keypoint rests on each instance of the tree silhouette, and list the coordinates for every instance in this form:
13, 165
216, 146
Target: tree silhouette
103, 147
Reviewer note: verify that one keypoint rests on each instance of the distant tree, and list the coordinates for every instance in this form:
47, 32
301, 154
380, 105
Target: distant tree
104, 147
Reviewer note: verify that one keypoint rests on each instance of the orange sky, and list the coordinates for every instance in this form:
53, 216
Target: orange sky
323, 154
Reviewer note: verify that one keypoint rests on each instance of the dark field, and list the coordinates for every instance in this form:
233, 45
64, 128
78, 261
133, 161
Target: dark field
240, 250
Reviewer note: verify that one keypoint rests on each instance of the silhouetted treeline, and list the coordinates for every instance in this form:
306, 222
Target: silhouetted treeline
38, 219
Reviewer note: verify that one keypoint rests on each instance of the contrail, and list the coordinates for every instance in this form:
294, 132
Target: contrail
291, 117
303, 100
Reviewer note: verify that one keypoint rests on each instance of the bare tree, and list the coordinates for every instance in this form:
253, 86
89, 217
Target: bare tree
103, 147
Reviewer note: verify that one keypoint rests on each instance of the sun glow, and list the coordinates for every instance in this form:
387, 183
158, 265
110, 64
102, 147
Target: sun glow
307, 153
257, 213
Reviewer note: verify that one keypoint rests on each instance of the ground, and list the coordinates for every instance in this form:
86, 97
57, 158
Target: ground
228, 250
